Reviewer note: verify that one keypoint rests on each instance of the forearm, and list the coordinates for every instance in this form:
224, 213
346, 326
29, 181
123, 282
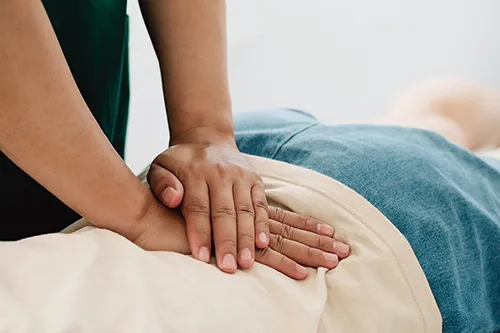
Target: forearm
190, 40
47, 129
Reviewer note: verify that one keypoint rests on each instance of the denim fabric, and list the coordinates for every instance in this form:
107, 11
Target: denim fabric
442, 198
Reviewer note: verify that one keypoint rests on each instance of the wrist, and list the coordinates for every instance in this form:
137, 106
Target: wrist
213, 121
205, 135
127, 218
161, 229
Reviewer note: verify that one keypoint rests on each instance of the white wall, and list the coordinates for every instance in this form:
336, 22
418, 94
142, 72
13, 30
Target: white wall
340, 60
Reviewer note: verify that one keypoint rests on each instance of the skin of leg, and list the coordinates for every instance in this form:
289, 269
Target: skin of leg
465, 113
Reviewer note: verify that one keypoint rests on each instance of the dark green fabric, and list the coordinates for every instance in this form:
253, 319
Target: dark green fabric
93, 35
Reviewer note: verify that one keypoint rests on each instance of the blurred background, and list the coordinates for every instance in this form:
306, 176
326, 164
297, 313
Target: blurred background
339, 60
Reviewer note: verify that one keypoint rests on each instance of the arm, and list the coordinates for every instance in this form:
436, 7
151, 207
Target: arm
221, 194
190, 40
48, 131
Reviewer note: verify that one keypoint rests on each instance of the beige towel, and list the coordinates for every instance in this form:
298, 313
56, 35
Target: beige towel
95, 281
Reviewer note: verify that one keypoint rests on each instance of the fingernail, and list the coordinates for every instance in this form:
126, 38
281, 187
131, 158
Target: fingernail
341, 247
330, 257
302, 270
263, 237
325, 229
168, 195
228, 262
245, 254
203, 254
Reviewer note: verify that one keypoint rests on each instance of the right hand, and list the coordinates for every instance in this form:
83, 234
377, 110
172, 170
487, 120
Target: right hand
219, 193
295, 241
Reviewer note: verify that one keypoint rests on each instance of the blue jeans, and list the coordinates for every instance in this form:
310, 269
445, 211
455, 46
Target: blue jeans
442, 198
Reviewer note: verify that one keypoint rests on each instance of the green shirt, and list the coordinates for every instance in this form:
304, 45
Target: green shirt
93, 35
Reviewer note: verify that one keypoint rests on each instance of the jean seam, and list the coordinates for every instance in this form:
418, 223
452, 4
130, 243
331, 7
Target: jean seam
291, 137
303, 113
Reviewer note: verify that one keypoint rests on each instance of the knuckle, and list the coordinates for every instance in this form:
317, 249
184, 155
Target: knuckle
259, 183
192, 172
195, 207
152, 176
280, 214
246, 238
304, 221
310, 253
203, 233
241, 172
157, 185
158, 161
152, 169
279, 242
262, 223
262, 254
260, 203
320, 242
223, 212
222, 169
229, 244
185, 173
287, 231
258, 179
258, 189
245, 210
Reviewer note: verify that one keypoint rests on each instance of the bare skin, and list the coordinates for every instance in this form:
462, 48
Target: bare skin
48, 131
465, 113
218, 191
46, 126
295, 241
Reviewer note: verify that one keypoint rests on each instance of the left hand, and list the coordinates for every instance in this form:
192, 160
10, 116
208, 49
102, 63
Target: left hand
221, 195
296, 241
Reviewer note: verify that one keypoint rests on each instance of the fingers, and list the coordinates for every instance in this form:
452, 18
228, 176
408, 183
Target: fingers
223, 215
165, 185
281, 263
300, 222
310, 239
261, 218
303, 254
223, 200
196, 210
245, 222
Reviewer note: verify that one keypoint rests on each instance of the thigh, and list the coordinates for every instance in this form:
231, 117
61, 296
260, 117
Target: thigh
443, 199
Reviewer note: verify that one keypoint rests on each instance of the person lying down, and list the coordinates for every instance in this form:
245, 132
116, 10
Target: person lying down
418, 208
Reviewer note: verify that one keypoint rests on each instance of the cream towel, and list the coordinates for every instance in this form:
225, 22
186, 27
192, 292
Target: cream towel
93, 280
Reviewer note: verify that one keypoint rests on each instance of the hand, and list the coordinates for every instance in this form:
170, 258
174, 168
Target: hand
221, 195
295, 241
160, 229
298, 241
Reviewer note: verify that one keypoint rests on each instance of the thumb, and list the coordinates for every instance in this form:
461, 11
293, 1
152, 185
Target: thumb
165, 185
